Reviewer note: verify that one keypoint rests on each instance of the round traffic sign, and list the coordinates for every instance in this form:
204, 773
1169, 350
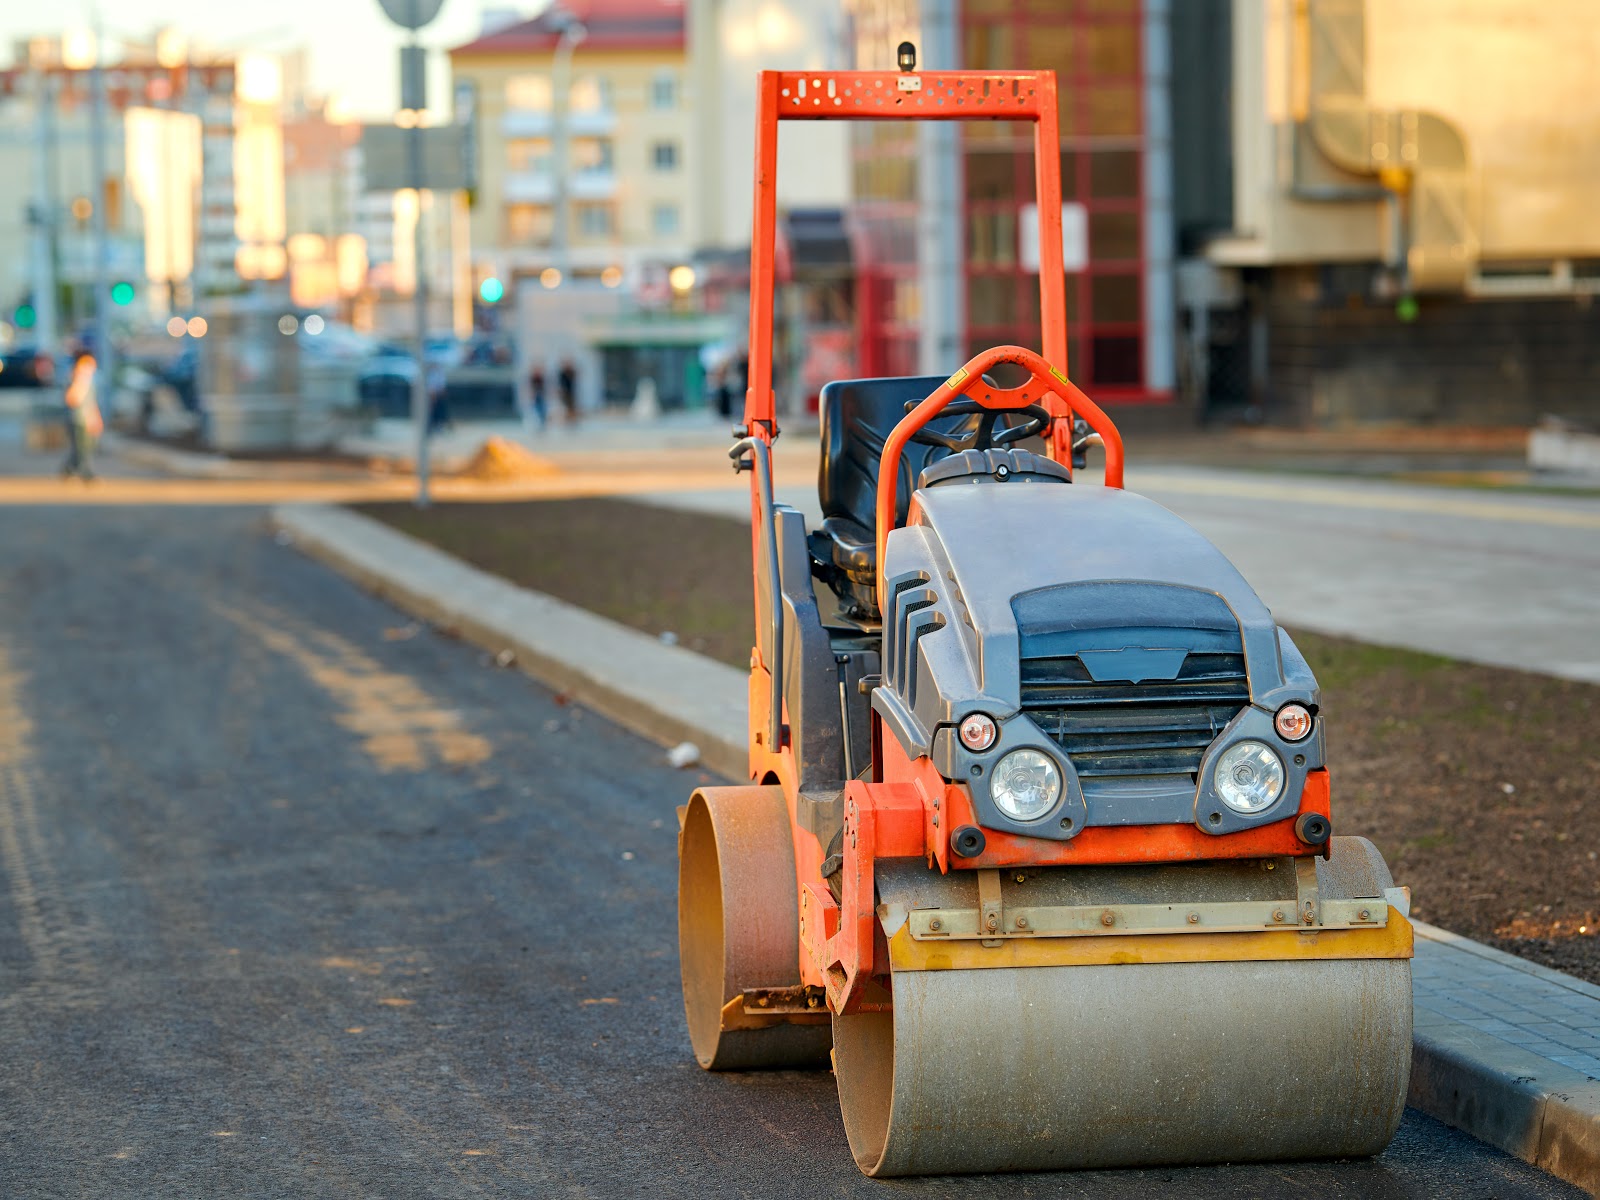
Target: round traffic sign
411, 14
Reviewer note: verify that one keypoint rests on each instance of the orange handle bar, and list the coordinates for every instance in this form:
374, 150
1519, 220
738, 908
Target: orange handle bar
1045, 385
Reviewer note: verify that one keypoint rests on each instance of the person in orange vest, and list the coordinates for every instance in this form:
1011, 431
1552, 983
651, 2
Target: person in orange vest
84, 422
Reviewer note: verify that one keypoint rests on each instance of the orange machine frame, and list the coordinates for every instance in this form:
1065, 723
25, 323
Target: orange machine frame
896, 96
908, 809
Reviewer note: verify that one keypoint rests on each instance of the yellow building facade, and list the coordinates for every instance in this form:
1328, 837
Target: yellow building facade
584, 109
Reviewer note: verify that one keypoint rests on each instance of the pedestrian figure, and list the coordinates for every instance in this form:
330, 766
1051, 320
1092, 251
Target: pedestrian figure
739, 378
536, 388
567, 381
84, 423
723, 393
438, 411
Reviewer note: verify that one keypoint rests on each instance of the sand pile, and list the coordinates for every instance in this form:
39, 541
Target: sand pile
500, 460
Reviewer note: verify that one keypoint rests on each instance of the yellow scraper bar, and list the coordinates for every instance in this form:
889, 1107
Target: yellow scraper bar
1393, 940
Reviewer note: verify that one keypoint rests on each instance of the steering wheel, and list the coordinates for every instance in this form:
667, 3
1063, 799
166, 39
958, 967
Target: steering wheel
1046, 395
984, 436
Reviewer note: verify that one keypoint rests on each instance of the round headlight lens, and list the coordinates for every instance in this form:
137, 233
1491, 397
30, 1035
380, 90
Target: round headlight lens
1025, 784
977, 732
1293, 722
1248, 777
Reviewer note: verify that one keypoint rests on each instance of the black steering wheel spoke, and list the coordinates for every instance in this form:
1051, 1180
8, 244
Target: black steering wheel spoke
984, 437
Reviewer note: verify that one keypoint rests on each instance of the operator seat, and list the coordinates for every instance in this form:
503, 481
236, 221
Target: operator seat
858, 415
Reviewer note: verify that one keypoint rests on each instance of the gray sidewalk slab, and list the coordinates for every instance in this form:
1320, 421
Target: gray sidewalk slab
1504, 1049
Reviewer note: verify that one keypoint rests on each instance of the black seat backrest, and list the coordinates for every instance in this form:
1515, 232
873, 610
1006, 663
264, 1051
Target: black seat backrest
858, 415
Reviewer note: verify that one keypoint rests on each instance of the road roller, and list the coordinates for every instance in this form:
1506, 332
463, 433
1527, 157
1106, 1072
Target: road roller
1036, 844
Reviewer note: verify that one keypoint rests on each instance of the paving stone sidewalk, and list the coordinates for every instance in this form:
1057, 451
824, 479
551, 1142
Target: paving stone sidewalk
1509, 1051
1548, 1015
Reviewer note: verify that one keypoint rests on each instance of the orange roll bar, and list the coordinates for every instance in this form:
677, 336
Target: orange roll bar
1045, 385
893, 96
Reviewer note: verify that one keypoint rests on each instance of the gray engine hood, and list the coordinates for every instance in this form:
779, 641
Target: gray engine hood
968, 562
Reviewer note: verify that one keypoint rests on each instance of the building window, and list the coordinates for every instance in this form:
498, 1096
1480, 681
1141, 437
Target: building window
530, 155
664, 92
591, 94
528, 93
592, 156
664, 220
1094, 46
596, 220
664, 156
529, 224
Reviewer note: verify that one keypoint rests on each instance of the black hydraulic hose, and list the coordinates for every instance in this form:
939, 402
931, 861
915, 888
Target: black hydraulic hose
761, 456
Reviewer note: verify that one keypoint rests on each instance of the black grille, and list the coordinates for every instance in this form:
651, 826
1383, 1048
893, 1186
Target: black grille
1157, 727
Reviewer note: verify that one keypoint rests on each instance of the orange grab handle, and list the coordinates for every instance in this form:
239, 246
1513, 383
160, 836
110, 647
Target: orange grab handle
1045, 385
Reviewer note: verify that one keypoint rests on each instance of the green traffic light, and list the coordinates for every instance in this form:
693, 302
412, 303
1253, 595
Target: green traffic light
122, 293
25, 316
492, 290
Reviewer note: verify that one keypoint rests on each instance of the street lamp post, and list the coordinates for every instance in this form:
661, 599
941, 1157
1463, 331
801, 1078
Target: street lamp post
572, 32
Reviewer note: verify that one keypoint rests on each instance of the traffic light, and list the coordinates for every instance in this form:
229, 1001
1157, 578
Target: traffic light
122, 293
492, 290
25, 317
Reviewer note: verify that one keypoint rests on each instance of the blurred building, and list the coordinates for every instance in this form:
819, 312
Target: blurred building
1297, 211
1110, 58
47, 224
585, 202
328, 257
628, 250
193, 175
730, 41
583, 129
1387, 211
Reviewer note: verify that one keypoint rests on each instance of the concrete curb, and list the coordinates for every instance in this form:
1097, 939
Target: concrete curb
1468, 1069
1480, 1075
663, 692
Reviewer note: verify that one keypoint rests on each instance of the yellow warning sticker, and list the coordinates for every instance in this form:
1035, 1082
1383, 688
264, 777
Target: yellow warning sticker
1062, 378
957, 379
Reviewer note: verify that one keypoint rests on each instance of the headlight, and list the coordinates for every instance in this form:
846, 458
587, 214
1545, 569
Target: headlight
1025, 784
1293, 722
1248, 777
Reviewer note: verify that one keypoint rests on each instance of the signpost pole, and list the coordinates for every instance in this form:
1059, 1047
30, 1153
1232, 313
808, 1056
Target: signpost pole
99, 193
421, 401
413, 15
42, 215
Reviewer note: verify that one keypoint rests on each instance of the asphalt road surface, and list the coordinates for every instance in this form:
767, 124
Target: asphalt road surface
303, 900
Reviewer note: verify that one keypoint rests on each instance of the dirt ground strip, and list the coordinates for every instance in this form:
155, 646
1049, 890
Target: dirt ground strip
1476, 782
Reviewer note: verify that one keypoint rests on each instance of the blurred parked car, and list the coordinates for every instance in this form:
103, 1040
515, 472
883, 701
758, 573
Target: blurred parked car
333, 341
484, 385
480, 381
442, 348
25, 367
386, 380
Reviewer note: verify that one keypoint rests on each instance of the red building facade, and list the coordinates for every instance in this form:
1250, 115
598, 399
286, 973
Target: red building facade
1096, 48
